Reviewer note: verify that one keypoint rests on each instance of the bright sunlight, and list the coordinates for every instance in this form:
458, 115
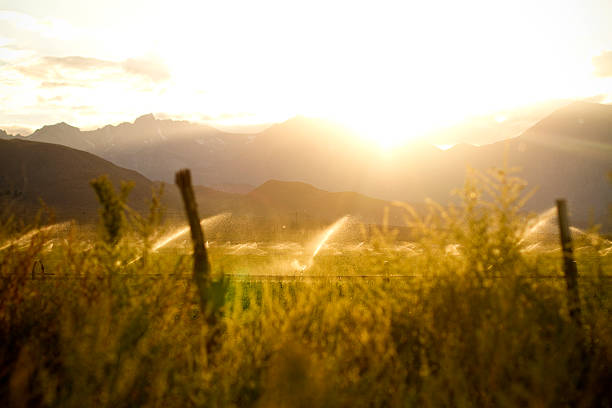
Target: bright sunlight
402, 66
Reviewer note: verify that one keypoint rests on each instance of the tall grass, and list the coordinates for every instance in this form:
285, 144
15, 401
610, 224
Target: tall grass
477, 329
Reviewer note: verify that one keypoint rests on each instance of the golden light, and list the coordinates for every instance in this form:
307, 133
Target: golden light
392, 71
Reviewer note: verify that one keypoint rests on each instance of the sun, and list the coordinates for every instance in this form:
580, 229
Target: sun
382, 135
388, 130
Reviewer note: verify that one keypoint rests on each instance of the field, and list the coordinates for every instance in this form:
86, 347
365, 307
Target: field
469, 313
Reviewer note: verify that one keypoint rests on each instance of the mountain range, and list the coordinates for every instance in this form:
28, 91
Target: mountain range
59, 176
566, 154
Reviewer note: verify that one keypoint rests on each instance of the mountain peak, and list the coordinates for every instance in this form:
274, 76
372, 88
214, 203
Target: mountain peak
61, 127
145, 119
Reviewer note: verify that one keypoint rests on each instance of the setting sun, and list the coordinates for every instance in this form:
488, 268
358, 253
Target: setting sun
407, 67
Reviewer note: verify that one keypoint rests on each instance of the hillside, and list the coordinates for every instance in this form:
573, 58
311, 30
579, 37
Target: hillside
581, 128
290, 200
60, 176
565, 154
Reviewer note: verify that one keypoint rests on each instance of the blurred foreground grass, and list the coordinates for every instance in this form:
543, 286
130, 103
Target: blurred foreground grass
110, 323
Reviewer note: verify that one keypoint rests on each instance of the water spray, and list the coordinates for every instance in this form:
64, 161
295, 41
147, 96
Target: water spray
163, 241
329, 232
205, 223
30, 234
540, 222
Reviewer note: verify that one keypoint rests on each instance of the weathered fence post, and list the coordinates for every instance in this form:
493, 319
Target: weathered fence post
201, 264
569, 263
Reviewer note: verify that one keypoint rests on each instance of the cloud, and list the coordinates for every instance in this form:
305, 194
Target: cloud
149, 67
76, 62
56, 84
57, 98
55, 72
73, 70
603, 64
85, 109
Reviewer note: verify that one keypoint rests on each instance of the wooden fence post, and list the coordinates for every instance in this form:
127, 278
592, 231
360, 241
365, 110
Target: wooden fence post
569, 263
201, 264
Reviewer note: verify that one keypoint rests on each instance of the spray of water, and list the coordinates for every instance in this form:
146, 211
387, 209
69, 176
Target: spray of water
546, 223
539, 223
532, 247
22, 240
545, 219
578, 231
298, 266
205, 223
169, 238
329, 232
165, 240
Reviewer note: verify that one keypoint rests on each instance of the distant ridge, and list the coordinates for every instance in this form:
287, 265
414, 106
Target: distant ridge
60, 176
581, 128
4, 135
152, 146
584, 120
566, 154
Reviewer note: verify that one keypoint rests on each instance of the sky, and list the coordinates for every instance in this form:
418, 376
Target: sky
394, 68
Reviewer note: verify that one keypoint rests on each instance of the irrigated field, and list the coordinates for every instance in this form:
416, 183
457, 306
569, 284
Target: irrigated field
472, 312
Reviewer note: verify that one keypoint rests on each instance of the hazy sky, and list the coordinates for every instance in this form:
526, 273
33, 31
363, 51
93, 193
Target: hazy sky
398, 67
